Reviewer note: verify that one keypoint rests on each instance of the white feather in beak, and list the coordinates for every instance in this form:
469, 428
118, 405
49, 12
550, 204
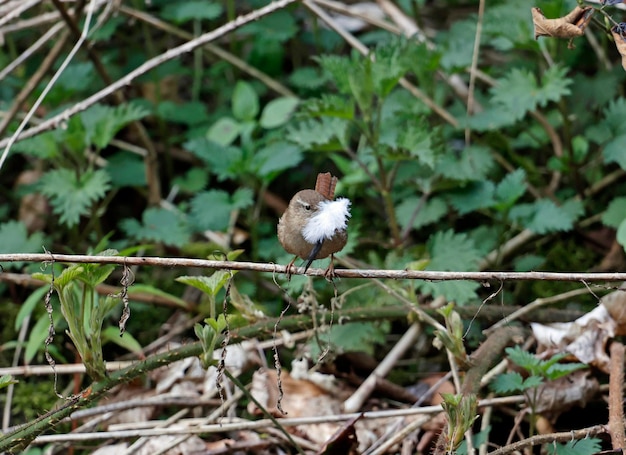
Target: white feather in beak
331, 216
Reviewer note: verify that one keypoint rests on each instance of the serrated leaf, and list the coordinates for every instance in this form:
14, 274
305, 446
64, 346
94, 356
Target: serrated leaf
329, 105
103, 122
243, 198
510, 189
210, 285
278, 112
274, 158
615, 213
277, 27
193, 181
245, 102
587, 446
323, 134
362, 336
532, 381
158, 225
474, 196
522, 358
472, 163
558, 370
223, 161
339, 69
544, 216
72, 195
45, 145
210, 210
14, 238
433, 210
614, 114
415, 138
508, 383
181, 12
520, 93
615, 151
452, 252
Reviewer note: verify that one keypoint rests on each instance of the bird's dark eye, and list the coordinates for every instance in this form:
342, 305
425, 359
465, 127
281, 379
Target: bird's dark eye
307, 207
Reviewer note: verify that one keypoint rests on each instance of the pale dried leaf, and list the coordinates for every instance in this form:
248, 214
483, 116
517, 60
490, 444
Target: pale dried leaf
575, 389
615, 303
619, 35
569, 26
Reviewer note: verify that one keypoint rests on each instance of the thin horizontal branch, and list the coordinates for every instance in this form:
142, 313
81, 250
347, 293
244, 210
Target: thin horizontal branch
341, 273
226, 424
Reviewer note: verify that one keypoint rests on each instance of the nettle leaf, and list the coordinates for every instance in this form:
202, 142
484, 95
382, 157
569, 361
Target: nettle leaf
362, 336
510, 189
276, 157
615, 212
415, 138
103, 122
507, 383
474, 196
325, 134
391, 62
191, 10
339, 69
520, 92
126, 169
194, 180
245, 102
277, 27
491, 118
210, 210
330, 105
308, 78
191, 113
523, 358
45, 145
223, 161
544, 216
615, 151
585, 446
614, 114
158, 225
472, 163
72, 195
431, 211
278, 112
362, 85
14, 238
450, 251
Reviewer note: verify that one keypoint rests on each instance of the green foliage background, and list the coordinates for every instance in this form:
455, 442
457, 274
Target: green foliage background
546, 154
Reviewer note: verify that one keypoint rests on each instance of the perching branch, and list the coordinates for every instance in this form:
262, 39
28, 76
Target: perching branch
341, 273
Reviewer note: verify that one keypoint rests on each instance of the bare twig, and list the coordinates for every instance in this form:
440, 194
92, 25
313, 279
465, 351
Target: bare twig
550, 438
342, 273
147, 66
616, 396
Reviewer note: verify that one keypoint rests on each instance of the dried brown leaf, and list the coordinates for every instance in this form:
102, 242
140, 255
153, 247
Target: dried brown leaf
619, 35
569, 26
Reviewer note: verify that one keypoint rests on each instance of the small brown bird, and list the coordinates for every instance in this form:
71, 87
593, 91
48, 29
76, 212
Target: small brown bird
314, 224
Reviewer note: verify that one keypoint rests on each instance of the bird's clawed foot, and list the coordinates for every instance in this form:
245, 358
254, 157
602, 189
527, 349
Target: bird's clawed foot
289, 266
329, 274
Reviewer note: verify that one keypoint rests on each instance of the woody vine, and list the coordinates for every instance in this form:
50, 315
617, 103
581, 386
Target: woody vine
575, 23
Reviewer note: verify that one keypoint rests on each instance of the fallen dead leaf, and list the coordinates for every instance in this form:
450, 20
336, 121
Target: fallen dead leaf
569, 26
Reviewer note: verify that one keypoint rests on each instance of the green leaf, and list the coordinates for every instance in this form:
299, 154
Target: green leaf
614, 115
510, 189
158, 225
452, 252
210, 210
277, 27
181, 12
415, 138
6, 380
210, 285
193, 181
506, 383
191, 113
615, 212
323, 134
474, 196
103, 122
29, 305
621, 234
472, 163
45, 145
433, 210
587, 446
558, 370
532, 382
14, 238
278, 112
615, 151
544, 216
525, 359
519, 92
126, 169
72, 195
224, 131
275, 158
245, 102
361, 336
528, 262
223, 161
127, 341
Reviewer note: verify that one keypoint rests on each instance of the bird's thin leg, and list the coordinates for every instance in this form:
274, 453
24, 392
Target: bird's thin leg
329, 274
289, 268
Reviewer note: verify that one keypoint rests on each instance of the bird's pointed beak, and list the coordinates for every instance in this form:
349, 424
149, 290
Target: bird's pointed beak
314, 252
